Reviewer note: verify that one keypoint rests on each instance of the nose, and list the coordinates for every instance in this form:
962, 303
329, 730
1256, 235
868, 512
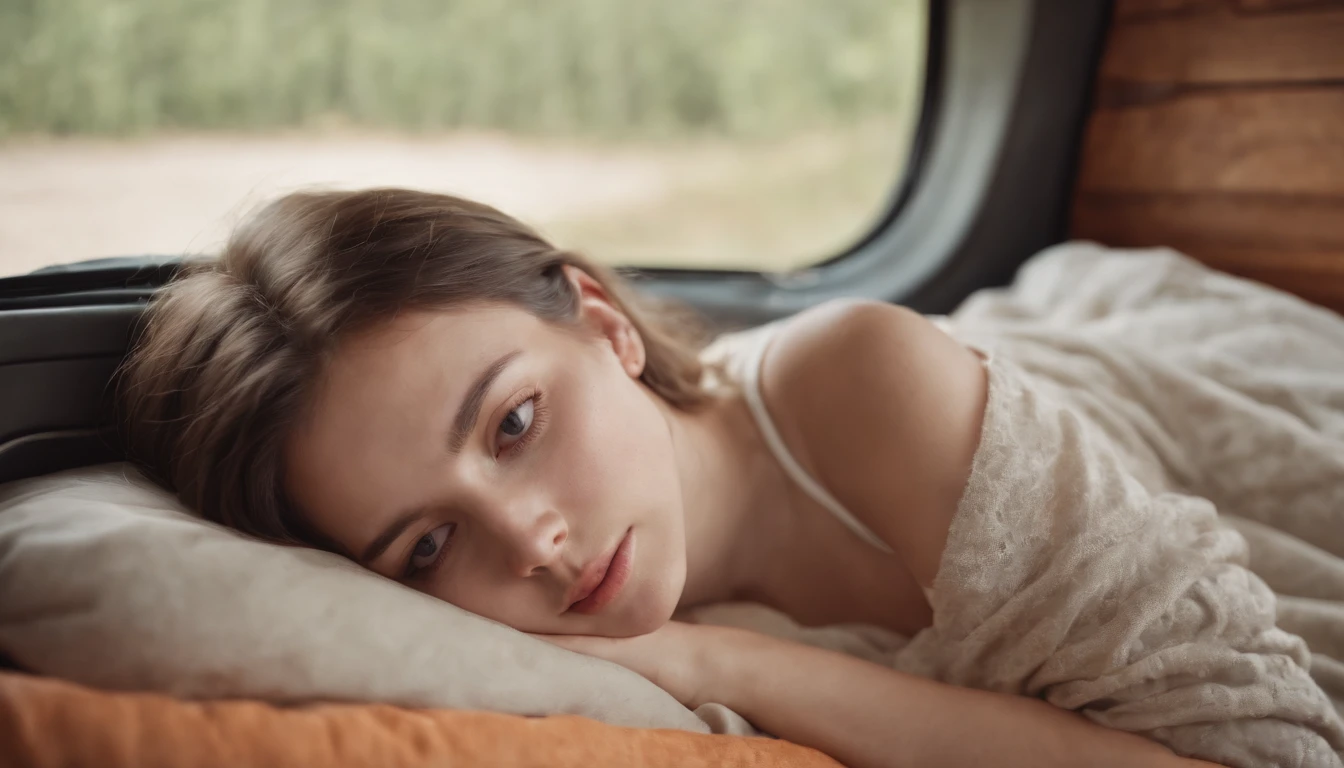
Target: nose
534, 536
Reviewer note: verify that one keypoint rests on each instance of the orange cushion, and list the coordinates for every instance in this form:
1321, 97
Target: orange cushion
47, 722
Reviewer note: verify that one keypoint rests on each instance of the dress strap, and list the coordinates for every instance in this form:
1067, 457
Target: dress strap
750, 375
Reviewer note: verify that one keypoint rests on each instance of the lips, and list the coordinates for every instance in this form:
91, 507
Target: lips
602, 579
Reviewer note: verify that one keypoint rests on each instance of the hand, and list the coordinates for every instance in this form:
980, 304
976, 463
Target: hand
680, 658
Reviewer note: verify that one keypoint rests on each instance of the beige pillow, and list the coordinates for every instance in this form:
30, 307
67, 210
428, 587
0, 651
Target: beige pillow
106, 580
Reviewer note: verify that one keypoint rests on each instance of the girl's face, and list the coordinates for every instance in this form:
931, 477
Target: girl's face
503, 464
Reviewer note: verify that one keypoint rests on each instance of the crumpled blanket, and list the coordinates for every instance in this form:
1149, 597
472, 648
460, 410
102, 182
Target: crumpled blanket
1147, 418
1153, 530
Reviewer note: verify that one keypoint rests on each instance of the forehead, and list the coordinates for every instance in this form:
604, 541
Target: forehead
460, 334
381, 414
412, 367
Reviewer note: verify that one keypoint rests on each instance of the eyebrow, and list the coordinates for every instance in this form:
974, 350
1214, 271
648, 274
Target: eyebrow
464, 423
390, 534
467, 413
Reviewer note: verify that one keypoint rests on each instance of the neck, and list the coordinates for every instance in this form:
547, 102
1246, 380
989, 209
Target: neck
752, 535
738, 511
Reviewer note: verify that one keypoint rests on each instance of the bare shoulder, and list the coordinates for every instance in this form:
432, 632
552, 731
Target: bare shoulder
884, 409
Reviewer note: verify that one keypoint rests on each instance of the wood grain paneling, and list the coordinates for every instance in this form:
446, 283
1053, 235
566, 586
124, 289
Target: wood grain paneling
1130, 10
1295, 243
1218, 129
1288, 140
1222, 48
1261, 222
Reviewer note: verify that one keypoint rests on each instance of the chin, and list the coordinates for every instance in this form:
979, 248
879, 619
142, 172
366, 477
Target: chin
644, 621
653, 607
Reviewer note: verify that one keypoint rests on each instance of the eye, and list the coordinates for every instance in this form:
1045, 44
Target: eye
516, 424
430, 548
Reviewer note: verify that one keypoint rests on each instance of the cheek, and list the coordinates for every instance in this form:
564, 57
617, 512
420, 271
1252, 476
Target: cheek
478, 583
618, 447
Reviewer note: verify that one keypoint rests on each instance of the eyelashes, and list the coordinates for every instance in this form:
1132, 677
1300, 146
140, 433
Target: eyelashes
517, 422
430, 549
521, 425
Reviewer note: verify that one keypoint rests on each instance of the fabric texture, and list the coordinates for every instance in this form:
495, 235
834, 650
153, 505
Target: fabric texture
1162, 452
106, 580
46, 723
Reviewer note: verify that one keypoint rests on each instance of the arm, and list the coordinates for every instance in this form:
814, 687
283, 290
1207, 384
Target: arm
863, 714
866, 715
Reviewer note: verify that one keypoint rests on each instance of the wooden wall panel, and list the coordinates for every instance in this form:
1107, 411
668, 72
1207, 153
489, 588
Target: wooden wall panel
1128, 10
1242, 234
1205, 48
1250, 140
1218, 129
1257, 221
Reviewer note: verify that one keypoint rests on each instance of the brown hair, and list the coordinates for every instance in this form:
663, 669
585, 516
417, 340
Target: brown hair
232, 348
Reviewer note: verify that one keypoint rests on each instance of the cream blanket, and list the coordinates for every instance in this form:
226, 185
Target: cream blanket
1154, 522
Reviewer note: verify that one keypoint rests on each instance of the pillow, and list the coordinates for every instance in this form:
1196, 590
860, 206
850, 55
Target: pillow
107, 580
46, 722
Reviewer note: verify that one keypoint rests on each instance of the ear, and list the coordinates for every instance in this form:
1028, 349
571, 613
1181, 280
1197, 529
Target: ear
600, 314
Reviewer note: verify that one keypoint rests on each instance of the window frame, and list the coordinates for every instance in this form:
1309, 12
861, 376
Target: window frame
987, 184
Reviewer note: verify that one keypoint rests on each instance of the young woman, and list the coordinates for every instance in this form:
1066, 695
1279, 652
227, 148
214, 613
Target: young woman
426, 386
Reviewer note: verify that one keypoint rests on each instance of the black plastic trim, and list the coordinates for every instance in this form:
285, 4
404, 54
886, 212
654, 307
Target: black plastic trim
46, 452
1044, 145
32, 335
120, 280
